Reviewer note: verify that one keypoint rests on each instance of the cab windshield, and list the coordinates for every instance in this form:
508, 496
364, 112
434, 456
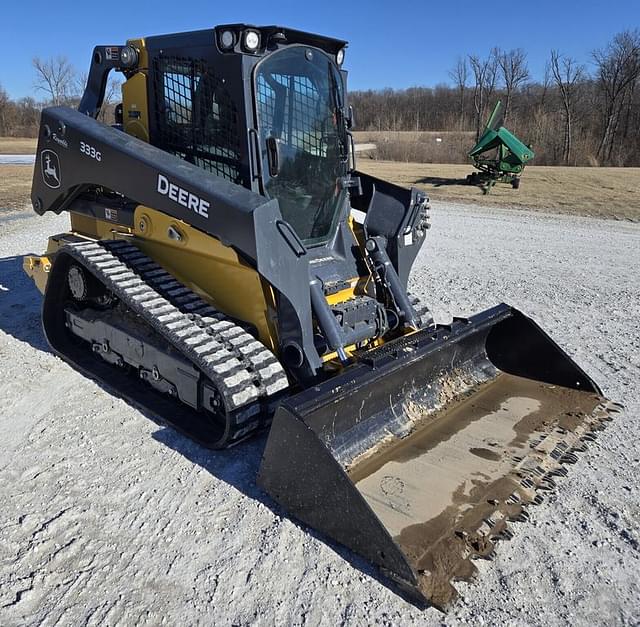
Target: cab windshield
300, 105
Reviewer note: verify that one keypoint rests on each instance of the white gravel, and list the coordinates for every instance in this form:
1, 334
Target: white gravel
107, 517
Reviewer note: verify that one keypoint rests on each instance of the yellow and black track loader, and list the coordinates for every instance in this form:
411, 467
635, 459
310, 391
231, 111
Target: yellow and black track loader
229, 269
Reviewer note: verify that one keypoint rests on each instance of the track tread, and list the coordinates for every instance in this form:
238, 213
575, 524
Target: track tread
243, 370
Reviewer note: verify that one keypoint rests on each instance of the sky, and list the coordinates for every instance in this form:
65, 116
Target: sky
393, 43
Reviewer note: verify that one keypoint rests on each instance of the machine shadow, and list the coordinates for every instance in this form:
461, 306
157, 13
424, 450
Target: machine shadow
20, 305
441, 181
239, 467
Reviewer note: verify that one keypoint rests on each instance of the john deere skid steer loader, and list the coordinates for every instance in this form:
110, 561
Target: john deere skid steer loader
228, 269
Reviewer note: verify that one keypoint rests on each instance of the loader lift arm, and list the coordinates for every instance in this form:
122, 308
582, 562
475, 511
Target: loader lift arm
251, 223
103, 60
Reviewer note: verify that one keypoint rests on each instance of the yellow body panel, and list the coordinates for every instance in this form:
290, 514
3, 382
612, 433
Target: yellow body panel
97, 229
209, 268
197, 260
37, 268
135, 112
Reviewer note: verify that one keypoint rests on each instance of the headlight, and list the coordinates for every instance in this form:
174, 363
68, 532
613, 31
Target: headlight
227, 39
340, 56
251, 40
128, 56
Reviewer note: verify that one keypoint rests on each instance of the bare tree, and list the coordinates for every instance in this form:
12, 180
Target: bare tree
55, 77
111, 94
80, 82
514, 71
628, 107
111, 97
567, 73
484, 74
28, 117
459, 75
618, 69
546, 83
5, 105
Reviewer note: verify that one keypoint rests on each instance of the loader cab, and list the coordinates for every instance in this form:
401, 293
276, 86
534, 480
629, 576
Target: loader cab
262, 107
304, 151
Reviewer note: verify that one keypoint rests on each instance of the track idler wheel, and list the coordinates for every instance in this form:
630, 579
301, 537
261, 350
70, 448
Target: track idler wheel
84, 287
77, 282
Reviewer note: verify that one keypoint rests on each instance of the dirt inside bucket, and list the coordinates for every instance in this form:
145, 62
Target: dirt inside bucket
435, 487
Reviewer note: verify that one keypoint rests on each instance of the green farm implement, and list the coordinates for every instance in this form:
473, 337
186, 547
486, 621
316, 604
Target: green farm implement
499, 155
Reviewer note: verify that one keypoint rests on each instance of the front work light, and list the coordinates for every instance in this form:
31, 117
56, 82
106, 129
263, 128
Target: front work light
128, 56
251, 40
340, 56
227, 39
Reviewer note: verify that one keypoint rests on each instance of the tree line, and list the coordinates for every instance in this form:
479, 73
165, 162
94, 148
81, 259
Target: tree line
579, 114
56, 82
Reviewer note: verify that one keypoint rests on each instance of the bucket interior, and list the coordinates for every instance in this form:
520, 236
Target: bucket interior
418, 458
442, 483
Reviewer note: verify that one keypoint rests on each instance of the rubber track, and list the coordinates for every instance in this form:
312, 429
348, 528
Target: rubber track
242, 369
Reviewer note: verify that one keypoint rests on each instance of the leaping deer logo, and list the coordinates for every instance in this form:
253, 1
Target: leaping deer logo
50, 168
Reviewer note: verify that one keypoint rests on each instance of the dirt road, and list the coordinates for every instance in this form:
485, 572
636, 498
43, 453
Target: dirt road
108, 517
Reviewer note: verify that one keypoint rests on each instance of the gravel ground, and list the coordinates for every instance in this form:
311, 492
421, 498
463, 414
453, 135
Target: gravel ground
108, 517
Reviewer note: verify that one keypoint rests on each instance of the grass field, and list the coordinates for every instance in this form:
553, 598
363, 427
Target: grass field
603, 192
17, 145
15, 187
419, 146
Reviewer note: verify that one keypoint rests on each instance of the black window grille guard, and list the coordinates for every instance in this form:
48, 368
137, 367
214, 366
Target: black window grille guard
294, 125
196, 118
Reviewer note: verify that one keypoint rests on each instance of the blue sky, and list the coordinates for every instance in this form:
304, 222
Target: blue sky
392, 44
